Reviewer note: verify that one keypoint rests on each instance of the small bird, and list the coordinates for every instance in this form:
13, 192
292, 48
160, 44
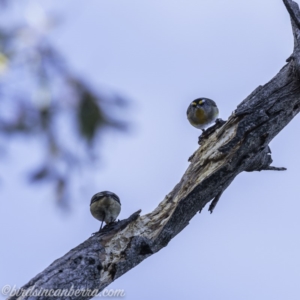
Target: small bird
202, 112
105, 206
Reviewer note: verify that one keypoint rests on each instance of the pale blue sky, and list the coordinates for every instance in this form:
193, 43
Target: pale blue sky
162, 55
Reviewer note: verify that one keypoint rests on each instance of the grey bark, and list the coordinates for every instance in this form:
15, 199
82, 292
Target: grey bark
241, 144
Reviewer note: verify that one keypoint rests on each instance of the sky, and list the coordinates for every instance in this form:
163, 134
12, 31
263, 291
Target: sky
162, 55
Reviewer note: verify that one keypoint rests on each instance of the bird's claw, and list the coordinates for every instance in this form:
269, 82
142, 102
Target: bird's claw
206, 133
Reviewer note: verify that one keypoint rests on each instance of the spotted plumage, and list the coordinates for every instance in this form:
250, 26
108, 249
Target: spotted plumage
202, 112
105, 207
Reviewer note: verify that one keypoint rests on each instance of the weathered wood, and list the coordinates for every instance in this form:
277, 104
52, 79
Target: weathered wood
241, 144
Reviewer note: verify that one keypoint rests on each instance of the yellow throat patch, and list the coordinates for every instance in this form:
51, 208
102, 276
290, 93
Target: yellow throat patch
200, 115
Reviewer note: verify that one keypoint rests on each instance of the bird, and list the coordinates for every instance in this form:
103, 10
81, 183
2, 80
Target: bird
202, 112
105, 206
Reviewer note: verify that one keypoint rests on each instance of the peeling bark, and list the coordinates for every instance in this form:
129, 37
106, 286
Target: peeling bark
241, 144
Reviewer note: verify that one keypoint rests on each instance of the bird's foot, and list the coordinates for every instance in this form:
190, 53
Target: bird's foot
220, 122
109, 226
206, 133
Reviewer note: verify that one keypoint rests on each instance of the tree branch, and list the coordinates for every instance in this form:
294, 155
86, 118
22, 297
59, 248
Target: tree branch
241, 144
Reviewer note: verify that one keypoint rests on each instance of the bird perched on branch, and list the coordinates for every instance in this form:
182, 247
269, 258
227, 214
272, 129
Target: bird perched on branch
202, 112
105, 206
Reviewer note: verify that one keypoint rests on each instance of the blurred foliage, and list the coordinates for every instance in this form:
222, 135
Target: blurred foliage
40, 96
